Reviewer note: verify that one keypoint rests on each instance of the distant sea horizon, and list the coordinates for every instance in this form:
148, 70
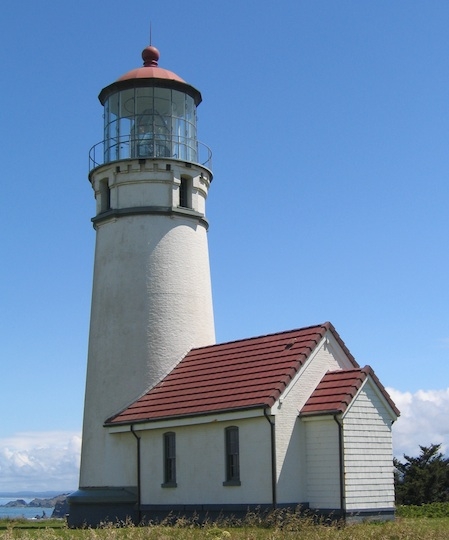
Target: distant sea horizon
27, 512
27, 493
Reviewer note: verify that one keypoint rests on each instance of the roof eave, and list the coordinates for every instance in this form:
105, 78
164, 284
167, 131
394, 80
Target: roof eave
329, 326
330, 412
108, 423
125, 84
370, 372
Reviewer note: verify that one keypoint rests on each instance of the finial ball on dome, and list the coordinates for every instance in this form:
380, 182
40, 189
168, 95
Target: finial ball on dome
150, 56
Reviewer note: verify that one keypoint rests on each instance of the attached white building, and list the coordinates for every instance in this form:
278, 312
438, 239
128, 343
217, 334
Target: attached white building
282, 420
172, 421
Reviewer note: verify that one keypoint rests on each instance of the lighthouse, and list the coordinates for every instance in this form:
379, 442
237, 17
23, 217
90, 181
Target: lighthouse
175, 424
151, 297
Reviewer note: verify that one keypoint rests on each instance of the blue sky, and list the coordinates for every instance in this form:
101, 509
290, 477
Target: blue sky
329, 125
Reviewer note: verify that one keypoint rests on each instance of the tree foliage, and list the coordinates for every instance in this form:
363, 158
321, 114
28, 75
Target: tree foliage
423, 479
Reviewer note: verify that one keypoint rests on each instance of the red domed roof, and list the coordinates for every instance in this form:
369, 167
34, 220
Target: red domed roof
150, 69
150, 74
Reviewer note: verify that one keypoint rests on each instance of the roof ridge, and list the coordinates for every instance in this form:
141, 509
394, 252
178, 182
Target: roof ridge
326, 326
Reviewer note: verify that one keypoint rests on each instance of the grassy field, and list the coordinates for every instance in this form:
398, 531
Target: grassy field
282, 526
426, 522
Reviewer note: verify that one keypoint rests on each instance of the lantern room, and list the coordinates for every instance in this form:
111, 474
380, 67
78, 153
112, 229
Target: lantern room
149, 112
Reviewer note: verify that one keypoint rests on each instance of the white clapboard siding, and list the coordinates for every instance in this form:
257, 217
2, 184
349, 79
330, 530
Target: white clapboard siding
328, 356
368, 455
323, 469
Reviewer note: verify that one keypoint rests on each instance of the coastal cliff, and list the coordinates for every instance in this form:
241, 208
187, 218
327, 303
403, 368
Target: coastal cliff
59, 502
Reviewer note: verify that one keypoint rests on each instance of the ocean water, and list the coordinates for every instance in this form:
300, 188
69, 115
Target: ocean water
15, 512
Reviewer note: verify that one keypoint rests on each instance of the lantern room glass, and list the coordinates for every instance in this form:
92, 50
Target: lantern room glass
150, 123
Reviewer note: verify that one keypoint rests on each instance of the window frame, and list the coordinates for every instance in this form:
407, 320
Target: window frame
232, 456
105, 195
185, 192
169, 456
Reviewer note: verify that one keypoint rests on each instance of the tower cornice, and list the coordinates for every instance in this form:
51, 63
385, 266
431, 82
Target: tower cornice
115, 213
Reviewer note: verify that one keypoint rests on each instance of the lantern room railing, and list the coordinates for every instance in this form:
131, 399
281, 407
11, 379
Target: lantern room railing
127, 147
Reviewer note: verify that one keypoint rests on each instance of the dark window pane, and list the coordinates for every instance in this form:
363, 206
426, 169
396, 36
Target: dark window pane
169, 458
232, 454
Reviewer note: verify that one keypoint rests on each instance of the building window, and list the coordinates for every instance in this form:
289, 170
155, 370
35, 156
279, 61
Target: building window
169, 460
232, 456
105, 195
185, 192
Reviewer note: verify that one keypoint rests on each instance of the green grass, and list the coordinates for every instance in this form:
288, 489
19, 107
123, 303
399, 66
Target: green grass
277, 526
401, 529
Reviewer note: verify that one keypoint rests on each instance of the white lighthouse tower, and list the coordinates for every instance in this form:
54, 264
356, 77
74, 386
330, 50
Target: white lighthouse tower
151, 299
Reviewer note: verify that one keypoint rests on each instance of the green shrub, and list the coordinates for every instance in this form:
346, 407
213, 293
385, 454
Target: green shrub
432, 510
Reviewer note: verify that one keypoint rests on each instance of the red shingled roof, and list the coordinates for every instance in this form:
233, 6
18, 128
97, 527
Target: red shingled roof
337, 389
244, 374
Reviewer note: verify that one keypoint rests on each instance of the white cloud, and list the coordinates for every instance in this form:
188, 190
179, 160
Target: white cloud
424, 420
40, 461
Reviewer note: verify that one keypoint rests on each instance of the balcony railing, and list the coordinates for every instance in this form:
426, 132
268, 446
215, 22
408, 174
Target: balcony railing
127, 147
